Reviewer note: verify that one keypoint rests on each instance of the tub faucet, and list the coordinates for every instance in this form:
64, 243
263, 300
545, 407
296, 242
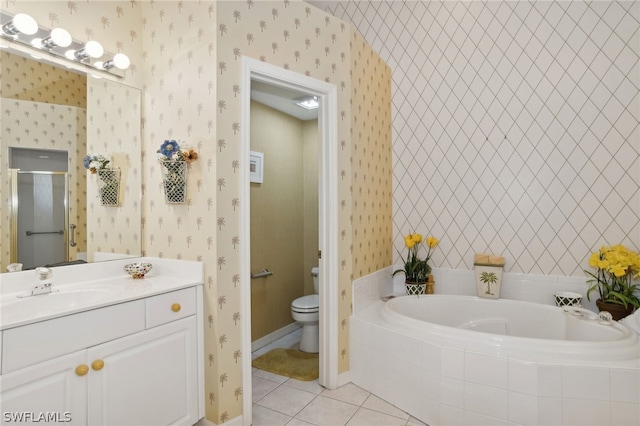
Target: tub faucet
581, 312
605, 318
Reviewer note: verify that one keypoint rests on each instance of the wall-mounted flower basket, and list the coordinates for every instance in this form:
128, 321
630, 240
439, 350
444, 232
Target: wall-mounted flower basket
174, 181
109, 187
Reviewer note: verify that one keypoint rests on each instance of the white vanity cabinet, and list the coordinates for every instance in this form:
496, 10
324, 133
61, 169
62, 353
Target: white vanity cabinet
48, 387
132, 363
145, 379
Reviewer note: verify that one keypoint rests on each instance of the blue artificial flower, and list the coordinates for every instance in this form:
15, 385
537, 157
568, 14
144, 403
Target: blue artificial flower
87, 161
168, 148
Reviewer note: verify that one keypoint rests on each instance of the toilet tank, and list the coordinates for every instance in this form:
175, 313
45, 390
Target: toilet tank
314, 273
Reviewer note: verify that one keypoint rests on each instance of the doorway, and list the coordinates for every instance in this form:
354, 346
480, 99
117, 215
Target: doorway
284, 210
254, 70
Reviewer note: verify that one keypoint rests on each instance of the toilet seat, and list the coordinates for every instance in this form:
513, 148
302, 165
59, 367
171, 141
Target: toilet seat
306, 304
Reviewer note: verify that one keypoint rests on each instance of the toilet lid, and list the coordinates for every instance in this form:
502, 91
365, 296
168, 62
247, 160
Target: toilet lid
306, 303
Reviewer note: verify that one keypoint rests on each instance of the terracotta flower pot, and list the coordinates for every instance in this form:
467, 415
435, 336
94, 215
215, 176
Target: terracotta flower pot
617, 311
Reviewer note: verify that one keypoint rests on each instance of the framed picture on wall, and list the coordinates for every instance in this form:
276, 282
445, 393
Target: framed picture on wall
256, 166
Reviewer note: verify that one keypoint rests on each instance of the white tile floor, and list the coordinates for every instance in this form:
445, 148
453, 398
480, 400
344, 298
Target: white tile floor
279, 400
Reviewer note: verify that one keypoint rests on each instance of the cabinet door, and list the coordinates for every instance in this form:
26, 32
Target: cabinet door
54, 390
149, 378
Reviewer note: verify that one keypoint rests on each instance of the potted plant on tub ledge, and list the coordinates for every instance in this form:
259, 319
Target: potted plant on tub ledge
416, 270
616, 280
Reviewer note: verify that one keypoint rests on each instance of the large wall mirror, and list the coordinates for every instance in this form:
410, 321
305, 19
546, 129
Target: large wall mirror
53, 209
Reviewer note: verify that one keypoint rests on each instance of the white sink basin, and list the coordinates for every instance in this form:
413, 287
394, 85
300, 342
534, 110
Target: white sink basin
53, 302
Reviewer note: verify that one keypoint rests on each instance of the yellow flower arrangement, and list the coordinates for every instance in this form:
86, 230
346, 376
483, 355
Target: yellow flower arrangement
616, 277
417, 270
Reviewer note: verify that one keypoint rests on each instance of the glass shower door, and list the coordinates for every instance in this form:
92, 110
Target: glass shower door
39, 218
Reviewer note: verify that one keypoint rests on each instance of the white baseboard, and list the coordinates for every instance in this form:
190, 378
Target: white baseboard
236, 421
204, 422
272, 337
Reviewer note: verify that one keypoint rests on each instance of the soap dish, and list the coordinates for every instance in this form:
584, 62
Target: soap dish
138, 270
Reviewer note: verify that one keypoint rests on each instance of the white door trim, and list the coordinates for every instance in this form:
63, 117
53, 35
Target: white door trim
327, 94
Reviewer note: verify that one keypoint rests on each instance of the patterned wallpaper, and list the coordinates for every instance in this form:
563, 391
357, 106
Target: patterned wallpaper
298, 37
371, 176
113, 124
55, 93
29, 80
179, 102
515, 126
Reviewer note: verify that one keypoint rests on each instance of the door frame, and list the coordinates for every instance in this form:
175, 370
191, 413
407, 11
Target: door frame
327, 94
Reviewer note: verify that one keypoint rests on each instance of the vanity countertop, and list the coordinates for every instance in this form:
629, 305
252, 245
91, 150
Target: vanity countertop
79, 288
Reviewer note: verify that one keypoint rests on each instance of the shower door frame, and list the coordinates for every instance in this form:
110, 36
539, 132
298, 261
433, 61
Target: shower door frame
14, 205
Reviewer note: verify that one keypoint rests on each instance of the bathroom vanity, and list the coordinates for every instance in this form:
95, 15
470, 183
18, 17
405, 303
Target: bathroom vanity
104, 348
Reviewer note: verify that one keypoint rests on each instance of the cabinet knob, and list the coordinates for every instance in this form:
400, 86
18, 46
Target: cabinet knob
176, 307
82, 369
97, 364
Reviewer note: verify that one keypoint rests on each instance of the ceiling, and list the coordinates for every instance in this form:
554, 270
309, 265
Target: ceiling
281, 99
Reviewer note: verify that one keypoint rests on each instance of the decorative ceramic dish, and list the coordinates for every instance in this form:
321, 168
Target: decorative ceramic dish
138, 270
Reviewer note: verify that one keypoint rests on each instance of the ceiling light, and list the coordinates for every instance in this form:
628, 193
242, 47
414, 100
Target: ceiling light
21, 23
307, 102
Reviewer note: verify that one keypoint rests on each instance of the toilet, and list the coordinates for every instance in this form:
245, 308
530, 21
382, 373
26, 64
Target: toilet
305, 311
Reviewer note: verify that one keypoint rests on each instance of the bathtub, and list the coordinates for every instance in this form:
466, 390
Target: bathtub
531, 331
454, 360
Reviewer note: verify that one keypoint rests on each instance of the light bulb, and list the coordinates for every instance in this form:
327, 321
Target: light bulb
61, 37
91, 49
21, 23
121, 61
94, 49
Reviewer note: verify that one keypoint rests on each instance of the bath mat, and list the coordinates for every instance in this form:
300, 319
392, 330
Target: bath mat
289, 362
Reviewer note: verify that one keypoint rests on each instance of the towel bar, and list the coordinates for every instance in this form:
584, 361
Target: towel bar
264, 273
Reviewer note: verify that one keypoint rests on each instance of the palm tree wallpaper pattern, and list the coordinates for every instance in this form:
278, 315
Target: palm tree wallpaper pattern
303, 39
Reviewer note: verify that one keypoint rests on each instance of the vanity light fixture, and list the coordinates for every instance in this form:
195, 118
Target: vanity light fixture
307, 102
20, 24
23, 33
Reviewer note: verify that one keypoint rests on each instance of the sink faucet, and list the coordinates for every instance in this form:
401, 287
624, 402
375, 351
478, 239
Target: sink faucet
44, 283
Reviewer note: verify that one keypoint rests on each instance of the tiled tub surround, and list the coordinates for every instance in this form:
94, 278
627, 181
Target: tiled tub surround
525, 287
442, 381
